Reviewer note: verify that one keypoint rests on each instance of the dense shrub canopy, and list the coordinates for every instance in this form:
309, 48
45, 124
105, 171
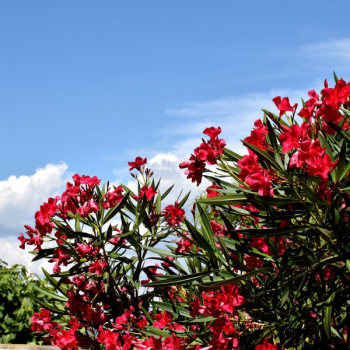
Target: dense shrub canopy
280, 279
18, 302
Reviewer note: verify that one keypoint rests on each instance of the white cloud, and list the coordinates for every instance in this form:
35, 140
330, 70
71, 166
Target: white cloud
333, 49
21, 197
12, 254
235, 115
166, 167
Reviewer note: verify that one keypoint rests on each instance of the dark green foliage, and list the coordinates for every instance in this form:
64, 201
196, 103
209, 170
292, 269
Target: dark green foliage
18, 304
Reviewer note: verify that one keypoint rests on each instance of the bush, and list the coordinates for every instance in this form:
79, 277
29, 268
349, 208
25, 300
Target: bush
18, 302
278, 280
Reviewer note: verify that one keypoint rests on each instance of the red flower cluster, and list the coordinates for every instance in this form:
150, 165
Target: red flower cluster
79, 197
173, 215
207, 152
147, 192
258, 178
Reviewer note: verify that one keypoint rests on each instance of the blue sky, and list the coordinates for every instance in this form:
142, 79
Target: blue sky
86, 86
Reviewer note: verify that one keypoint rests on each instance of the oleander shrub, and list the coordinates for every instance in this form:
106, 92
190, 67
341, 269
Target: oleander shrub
263, 262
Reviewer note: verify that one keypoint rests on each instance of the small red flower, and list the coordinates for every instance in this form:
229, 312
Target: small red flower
173, 215
97, 267
138, 163
283, 105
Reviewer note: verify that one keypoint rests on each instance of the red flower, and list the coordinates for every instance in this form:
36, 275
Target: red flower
260, 243
211, 193
88, 208
329, 114
173, 215
326, 128
322, 167
149, 192
253, 262
97, 267
206, 153
261, 183
173, 343
84, 249
311, 152
108, 338
111, 198
283, 105
310, 105
195, 169
41, 321
249, 165
230, 297
86, 180
151, 344
137, 164
23, 241
219, 342
267, 346
98, 316
183, 246
337, 96
257, 136
292, 136
162, 320
197, 308
212, 132
66, 341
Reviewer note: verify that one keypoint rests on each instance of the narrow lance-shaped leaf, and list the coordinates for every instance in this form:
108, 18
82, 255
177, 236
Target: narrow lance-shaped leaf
327, 316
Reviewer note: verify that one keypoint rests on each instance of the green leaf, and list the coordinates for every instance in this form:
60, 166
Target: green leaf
54, 282
69, 232
206, 228
327, 316
184, 199
197, 320
198, 238
270, 232
229, 227
325, 144
326, 235
274, 144
244, 277
163, 252
156, 332
268, 201
49, 293
313, 196
341, 163
180, 280
335, 77
339, 130
113, 212
51, 307
158, 203
224, 200
171, 308
264, 156
275, 118
234, 157
348, 264
167, 192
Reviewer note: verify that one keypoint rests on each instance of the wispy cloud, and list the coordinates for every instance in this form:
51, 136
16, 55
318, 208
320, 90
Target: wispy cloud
235, 115
334, 49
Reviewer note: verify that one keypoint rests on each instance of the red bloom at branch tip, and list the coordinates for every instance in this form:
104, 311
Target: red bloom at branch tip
137, 164
283, 105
